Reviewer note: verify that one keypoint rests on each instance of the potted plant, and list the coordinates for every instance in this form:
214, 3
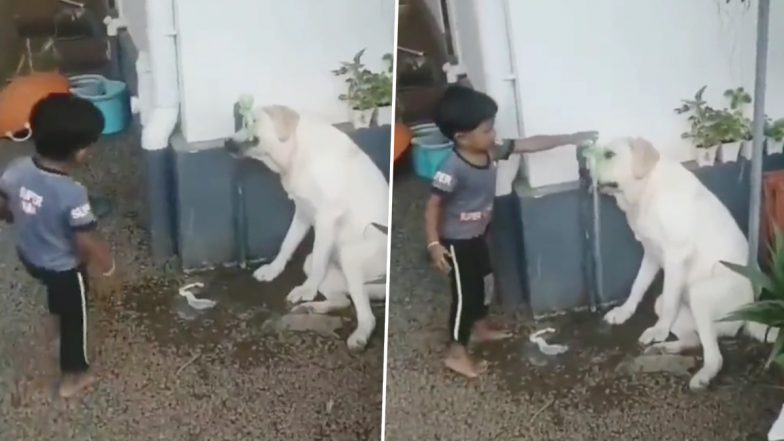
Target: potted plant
713, 131
732, 133
768, 306
369, 93
738, 125
701, 133
774, 136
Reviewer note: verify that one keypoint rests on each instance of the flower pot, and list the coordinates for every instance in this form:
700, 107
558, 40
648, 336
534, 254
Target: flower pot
729, 152
361, 119
706, 156
384, 116
773, 147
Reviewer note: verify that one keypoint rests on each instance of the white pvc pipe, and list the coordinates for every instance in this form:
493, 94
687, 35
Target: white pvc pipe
161, 37
142, 103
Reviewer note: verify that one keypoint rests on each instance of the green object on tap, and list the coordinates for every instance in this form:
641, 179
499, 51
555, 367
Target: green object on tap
246, 112
593, 155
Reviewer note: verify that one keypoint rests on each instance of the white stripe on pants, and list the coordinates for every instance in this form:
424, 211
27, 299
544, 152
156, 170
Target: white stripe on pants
84, 316
459, 312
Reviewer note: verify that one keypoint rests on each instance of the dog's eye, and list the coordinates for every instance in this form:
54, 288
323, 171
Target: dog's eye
609, 154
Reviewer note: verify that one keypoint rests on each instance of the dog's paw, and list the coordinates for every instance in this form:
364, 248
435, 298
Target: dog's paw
302, 308
654, 334
302, 293
269, 272
618, 315
357, 341
700, 380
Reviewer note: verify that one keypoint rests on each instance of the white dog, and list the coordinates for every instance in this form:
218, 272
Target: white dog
686, 231
338, 191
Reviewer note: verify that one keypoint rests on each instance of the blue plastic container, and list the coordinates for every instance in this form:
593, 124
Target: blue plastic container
109, 96
430, 148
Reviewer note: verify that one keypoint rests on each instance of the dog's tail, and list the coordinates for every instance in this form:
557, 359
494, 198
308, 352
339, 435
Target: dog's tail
760, 332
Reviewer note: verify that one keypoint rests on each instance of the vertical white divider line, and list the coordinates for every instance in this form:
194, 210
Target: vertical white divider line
389, 219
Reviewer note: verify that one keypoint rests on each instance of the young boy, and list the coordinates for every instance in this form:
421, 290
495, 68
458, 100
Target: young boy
460, 208
54, 224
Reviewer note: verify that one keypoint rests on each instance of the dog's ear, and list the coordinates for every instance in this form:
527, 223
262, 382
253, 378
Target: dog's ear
284, 119
644, 157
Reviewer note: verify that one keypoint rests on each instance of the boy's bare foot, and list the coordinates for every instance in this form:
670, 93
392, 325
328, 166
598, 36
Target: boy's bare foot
75, 383
484, 332
460, 362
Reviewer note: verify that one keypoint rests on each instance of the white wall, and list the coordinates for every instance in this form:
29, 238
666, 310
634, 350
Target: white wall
135, 16
621, 67
280, 51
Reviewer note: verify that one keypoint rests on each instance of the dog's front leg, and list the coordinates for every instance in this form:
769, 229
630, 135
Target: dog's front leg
296, 233
323, 244
672, 294
649, 267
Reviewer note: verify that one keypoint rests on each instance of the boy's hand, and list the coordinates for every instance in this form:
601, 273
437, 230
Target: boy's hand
108, 287
581, 138
438, 255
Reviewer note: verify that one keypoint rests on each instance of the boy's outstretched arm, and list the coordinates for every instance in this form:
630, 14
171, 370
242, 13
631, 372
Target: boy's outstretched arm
540, 143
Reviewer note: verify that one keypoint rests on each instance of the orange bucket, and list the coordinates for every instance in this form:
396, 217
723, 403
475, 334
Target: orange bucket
403, 136
19, 97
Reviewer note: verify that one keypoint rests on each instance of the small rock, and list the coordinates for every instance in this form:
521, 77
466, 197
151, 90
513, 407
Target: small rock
322, 324
674, 364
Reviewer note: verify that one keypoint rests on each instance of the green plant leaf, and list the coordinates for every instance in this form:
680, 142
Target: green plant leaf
779, 360
775, 352
764, 312
757, 278
380, 227
700, 92
358, 56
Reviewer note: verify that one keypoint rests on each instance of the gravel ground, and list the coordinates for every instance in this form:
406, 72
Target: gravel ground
163, 374
580, 396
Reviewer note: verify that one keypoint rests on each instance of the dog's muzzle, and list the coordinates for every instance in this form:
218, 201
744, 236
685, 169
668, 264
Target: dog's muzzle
237, 149
608, 187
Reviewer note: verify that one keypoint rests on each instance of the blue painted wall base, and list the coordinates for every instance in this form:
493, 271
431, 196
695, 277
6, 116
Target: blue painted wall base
206, 203
551, 277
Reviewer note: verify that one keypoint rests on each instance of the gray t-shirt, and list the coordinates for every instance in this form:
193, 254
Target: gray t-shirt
467, 192
48, 207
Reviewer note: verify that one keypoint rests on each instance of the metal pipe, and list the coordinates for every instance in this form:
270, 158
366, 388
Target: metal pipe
589, 221
240, 216
597, 247
240, 219
411, 51
755, 187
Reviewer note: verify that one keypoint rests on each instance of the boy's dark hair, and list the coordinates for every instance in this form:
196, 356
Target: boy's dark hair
462, 109
63, 124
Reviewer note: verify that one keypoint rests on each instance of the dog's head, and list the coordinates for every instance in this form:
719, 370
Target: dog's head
272, 138
622, 162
